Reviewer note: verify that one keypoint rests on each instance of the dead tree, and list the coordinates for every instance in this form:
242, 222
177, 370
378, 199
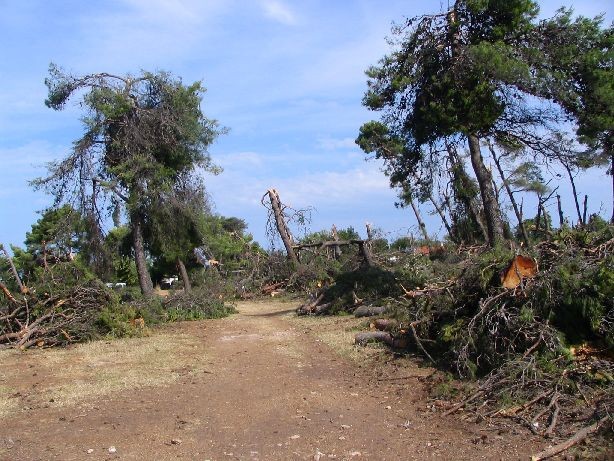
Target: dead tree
336, 248
282, 227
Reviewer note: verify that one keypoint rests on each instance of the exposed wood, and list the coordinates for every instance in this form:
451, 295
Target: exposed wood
336, 248
585, 210
520, 267
560, 208
268, 289
369, 231
282, 227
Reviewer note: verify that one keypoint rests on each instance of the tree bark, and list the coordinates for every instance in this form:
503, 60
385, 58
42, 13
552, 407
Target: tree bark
336, 248
575, 192
139, 254
510, 193
421, 224
438, 209
187, 286
282, 227
560, 208
459, 175
494, 223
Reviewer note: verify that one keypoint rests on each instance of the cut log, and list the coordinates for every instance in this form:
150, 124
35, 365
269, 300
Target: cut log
369, 311
373, 336
385, 324
519, 268
400, 342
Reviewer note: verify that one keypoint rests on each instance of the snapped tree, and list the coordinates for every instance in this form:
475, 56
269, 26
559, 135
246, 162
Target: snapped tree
141, 135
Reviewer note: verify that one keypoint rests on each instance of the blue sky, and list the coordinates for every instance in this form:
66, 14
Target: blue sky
286, 77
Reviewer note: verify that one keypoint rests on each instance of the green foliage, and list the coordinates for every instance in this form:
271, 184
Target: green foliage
58, 230
144, 139
195, 305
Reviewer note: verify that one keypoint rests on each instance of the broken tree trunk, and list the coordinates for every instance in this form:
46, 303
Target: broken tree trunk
282, 227
336, 248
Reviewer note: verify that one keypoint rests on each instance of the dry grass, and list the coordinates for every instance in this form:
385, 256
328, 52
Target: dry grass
100, 368
338, 332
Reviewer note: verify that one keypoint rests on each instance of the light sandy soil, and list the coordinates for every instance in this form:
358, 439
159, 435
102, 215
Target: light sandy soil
259, 385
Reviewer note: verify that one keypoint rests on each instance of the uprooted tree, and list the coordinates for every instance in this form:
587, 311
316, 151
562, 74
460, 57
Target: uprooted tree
142, 135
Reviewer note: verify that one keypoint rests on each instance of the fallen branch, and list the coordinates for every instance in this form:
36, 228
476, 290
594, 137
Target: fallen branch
419, 344
308, 308
577, 437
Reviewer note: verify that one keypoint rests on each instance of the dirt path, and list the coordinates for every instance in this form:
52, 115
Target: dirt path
260, 385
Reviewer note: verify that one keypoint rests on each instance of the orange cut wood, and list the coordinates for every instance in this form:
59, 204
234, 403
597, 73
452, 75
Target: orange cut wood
520, 267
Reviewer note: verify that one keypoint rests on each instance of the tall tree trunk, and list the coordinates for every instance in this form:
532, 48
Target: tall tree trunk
187, 286
282, 227
418, 217
442, 215
438, 209
494, 223
460, 176
510, 193
560, 208
138, 246
575, 192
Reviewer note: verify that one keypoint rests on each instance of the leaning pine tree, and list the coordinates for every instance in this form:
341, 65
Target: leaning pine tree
457, 77
141, 135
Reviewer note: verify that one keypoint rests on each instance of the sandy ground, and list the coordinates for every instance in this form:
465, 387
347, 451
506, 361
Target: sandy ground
259, 385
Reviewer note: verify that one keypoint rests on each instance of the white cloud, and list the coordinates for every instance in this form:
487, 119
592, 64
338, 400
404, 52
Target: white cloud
239, 160
279, 12
30, 157
334, 144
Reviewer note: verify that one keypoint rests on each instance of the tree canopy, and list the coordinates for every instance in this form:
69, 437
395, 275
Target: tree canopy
484, 69
143, 135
